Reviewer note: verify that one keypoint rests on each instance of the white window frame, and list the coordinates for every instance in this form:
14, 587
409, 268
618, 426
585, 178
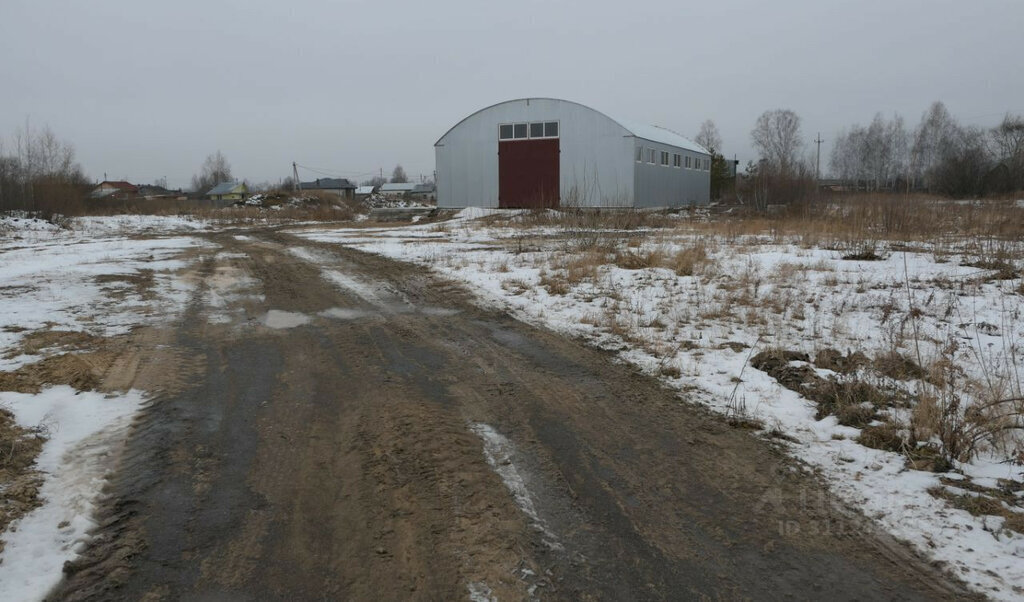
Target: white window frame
664, 158
677, 160
688, 162
528, 125
639, 154
652, 157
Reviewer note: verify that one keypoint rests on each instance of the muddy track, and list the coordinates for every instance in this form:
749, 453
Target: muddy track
405, 444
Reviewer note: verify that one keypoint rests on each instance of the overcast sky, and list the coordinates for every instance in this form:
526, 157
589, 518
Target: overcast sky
148, 89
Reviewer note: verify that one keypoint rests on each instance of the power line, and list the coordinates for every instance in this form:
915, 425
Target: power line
333, 174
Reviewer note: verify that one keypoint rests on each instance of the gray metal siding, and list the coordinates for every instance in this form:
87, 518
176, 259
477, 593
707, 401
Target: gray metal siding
658, 185
597, 166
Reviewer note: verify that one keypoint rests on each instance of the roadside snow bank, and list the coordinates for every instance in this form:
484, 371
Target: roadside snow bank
85, 430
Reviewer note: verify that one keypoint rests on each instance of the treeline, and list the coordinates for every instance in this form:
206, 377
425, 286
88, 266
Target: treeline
38, 172
939, 156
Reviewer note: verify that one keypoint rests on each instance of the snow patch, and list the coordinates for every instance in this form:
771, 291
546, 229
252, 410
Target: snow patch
499, 452
480, 592
84, 431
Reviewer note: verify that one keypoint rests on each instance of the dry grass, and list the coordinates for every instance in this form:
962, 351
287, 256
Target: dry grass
686, 261
689, 260
624, 219
876, 217
638, 260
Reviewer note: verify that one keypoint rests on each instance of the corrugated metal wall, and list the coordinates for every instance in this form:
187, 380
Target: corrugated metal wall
657, 185
597, 164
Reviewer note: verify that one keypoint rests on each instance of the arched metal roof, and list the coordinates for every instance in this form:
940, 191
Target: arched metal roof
653, 133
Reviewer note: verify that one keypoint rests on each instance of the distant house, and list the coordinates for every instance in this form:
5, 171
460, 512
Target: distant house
338, 186
364, 191
228, 191
396, 189
159, 192
114, 189
423, 192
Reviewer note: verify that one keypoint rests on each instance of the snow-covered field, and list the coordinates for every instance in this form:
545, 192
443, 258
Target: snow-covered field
94, 276
693, 308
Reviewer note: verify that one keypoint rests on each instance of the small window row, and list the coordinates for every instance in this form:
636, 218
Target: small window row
522, 131
652, 156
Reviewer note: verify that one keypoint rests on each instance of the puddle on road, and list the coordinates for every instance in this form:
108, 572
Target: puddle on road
347, 313
276, 318
438, 311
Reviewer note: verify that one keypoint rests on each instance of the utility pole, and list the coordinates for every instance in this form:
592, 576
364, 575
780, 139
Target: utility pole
817, 167
295, 177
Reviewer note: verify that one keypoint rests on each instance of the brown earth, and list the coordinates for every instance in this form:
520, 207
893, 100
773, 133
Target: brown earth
19, 481
339, 460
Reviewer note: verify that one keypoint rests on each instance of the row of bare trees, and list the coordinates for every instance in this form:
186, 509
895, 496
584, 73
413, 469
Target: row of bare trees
38, 172
940, 155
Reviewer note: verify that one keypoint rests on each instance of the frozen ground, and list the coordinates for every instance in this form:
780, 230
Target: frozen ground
698, 326
87, 277
98, 277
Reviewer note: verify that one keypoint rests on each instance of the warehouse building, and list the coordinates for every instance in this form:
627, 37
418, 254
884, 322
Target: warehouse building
545, 152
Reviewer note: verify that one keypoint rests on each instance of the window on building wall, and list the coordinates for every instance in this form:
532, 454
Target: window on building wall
664, 158
687, 161
707, 164
677, 160
651, 154
537, 130
519, 130
551, 129
639, 154
505, 131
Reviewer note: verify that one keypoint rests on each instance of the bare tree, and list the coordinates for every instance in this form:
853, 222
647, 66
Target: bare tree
41, 174
398, 175
777, 138
934, 138
962, 168
709, 138
215, 170
1008, 148
875, 157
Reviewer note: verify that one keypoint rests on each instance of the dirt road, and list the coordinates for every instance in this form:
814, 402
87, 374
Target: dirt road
361, 431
